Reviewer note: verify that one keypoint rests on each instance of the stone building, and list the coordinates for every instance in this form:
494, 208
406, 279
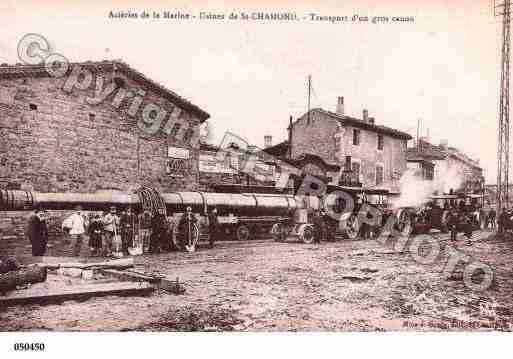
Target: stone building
452, 167
56, 136
215, 173
373, 154
422, 167
101, 126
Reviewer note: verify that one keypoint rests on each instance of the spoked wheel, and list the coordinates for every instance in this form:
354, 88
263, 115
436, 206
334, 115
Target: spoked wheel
404, 223
306, 234
352, 226
242, 233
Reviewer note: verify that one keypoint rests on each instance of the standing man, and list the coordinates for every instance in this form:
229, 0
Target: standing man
128, 229
159, 229
452, 224
490, 221
328, 227
37, 233
467, 227
186, 226
213, 227
95, 235
145, 230
78, 223
318, 224
111, 225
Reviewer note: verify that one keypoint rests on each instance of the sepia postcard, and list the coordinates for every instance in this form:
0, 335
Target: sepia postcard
254, 166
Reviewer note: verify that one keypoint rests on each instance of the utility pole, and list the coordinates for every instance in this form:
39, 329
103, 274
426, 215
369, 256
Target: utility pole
503, 9
418, 135
309, 96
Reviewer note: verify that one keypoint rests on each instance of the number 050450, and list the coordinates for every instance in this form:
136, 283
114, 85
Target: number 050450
32, 347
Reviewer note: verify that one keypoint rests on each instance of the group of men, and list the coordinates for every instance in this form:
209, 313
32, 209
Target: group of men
116, 235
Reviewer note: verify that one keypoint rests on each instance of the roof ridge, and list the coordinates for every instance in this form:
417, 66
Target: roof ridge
203, 115
389, 130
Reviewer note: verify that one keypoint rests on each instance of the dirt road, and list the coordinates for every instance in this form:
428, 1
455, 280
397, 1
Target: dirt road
263, 285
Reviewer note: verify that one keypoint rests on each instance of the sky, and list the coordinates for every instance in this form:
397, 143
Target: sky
251, 76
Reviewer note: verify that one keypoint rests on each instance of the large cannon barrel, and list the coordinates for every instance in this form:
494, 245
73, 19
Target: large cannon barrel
238, 203
25, 200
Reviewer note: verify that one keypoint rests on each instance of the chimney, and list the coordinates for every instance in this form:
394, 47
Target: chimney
365, 115
268, 141
372, 121
444, 144
340, 106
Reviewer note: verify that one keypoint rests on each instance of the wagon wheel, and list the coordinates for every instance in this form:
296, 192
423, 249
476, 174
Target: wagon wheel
352, 226
404, 223
306, 234
190, 243
242, 233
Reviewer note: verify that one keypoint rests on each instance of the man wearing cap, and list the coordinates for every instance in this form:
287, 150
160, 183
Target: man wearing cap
111, 226
128, 223
37, 232
78, 223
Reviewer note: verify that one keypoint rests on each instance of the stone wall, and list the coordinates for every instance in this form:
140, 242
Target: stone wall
67, 144
316, 137
55, 141
319, 137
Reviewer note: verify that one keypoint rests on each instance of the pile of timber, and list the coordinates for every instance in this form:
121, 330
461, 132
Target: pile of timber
131, 282
22, 276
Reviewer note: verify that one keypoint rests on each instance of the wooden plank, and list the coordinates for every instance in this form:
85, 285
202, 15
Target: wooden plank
127, 275
172, 285
78, 292
116, 264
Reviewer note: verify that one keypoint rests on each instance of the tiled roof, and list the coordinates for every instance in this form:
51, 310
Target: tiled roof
432, 152
21, 70
424, 153
279, 150
365, 125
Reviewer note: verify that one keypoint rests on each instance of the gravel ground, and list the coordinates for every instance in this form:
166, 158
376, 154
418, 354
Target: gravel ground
268, 286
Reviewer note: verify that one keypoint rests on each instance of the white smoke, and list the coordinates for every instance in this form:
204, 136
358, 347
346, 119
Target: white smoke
415, 191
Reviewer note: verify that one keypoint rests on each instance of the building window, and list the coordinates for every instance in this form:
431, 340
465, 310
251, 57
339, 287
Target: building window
356, 137
175, 129
430, 173
188, 135
379, 175
227, 160
33, 107
380, 142
355, 168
